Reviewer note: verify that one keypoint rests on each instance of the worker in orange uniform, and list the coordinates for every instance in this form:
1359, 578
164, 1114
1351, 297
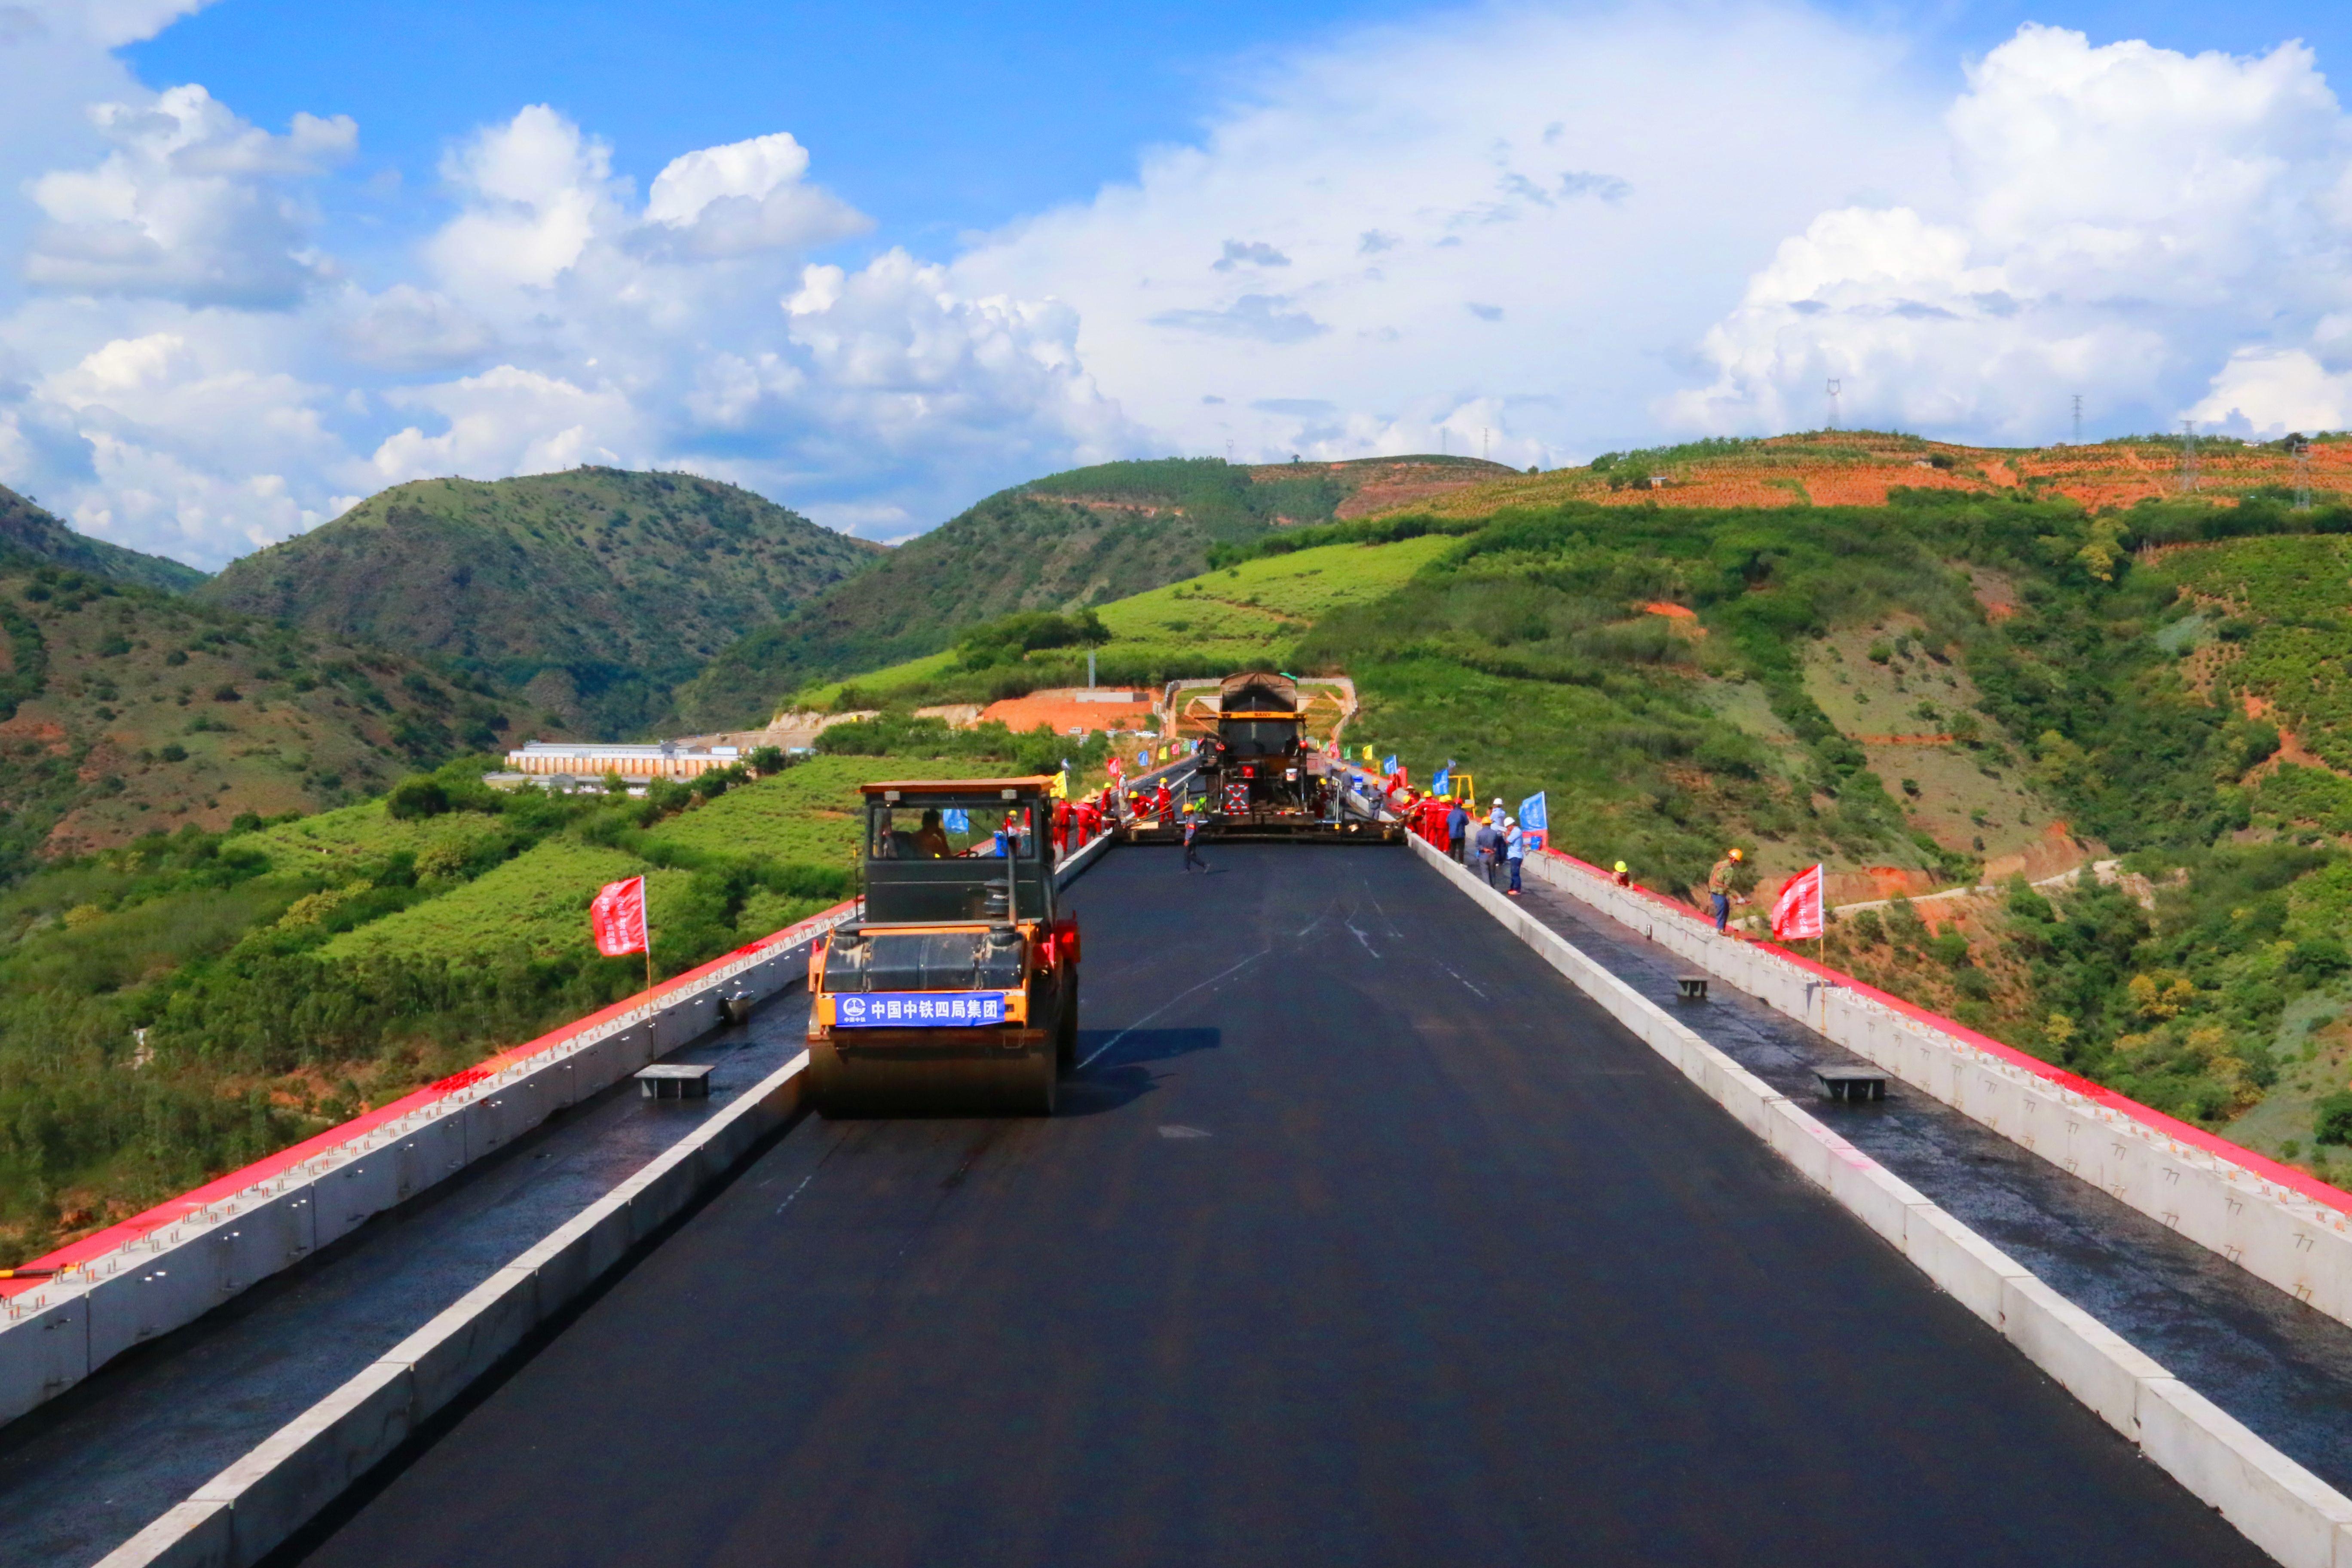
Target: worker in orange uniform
1720, 889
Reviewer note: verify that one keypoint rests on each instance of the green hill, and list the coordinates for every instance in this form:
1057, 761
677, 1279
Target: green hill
35, 532
126, 711
1086, 537
589, 594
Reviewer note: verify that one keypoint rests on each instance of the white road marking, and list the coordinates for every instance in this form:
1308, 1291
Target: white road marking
1095, 1054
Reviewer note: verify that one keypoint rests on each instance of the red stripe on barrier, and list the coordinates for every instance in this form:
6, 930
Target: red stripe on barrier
173, 1210
2261, 1165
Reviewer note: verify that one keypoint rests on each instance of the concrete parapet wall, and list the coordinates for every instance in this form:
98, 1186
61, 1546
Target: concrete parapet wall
2277, 1504
2279, 1224
251, 1508
204, 1250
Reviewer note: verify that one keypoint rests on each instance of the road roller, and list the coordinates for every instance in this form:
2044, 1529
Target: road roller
955, 991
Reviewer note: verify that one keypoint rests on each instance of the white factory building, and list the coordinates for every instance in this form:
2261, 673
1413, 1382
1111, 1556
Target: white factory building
591, 760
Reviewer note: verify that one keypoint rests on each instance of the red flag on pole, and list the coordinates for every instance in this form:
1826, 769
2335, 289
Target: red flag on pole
1797, 912
618, 917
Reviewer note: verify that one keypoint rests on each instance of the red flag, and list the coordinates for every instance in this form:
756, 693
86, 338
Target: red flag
1797, 912
618, 917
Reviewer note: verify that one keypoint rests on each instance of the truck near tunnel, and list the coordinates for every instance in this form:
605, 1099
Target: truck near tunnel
955, 991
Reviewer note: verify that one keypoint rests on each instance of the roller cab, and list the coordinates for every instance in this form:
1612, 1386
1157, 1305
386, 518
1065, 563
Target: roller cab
956, 990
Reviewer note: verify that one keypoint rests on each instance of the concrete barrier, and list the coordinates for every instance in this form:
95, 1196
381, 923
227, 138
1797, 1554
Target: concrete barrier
2280, 1224
173, 1265
251, 1508
2276, 1503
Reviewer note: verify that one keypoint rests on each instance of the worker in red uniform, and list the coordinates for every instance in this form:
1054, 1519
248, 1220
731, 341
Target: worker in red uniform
1163, 805
1061, 828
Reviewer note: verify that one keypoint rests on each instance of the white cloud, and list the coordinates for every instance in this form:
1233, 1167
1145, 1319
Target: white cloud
537, 192
743, 197
510, 421
2127, 223
191, 203
1531, 230
1529, 209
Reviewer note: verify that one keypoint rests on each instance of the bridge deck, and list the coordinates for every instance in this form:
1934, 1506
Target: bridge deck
87, 1471
1364, 1238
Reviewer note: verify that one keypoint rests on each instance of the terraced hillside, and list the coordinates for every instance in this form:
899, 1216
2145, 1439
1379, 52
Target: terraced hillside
1863, 468
1083, 537
586, 595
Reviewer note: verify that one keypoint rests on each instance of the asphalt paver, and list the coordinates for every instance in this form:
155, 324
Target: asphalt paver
1361, 1237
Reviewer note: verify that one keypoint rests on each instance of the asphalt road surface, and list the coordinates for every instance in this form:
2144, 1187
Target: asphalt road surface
1362, 1239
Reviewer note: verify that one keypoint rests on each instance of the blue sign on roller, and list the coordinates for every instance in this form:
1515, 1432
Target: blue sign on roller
917, 1009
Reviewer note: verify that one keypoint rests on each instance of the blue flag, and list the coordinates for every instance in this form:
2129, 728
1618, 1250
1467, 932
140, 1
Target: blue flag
1535, 816
955, 820
1443, 781
1388, 763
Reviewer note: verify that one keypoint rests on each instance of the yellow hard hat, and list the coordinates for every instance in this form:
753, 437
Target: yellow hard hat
1620, 864
1736, 855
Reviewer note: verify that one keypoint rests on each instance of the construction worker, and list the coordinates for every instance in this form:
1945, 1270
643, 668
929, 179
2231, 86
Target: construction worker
931, 840
1623, 876
1192, 831
1720, 889
1514, 850
1162, 804
1457, 828
1490, 849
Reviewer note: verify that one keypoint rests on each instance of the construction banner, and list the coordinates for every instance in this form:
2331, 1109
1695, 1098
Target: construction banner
1535, 819
617, 917
1797, 912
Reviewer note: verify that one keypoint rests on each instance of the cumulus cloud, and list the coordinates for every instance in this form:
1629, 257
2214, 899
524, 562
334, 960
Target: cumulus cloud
191, 204
2129, 223
746, 196
1599, 179
1530, 231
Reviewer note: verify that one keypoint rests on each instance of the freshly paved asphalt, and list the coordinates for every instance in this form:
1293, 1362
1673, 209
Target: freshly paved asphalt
1363, 1239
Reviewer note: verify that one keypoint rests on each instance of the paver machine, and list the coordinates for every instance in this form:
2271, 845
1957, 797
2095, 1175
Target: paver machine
955, 992
1262, 778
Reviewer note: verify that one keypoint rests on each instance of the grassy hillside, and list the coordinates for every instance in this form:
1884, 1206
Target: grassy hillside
1086, 537
589, 594
125, 711
34, 531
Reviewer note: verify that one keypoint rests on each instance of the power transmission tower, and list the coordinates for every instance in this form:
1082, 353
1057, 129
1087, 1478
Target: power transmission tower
2078, 419
2188, 455
1834, 397
2302, 448
1484, 444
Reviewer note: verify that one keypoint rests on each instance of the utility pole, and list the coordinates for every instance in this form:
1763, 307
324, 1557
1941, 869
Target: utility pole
2301, 447
1486, 444
1834, 384
2078, 419
2188, 455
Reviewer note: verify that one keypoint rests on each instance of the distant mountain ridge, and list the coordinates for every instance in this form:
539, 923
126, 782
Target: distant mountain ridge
30, 528
1084, 537
590, 594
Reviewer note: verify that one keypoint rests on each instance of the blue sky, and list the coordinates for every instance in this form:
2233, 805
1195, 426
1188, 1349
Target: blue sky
259, 259
934, 119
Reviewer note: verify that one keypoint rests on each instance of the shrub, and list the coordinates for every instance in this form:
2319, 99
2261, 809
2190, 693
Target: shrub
419, 795
173, 753
2331, 1119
